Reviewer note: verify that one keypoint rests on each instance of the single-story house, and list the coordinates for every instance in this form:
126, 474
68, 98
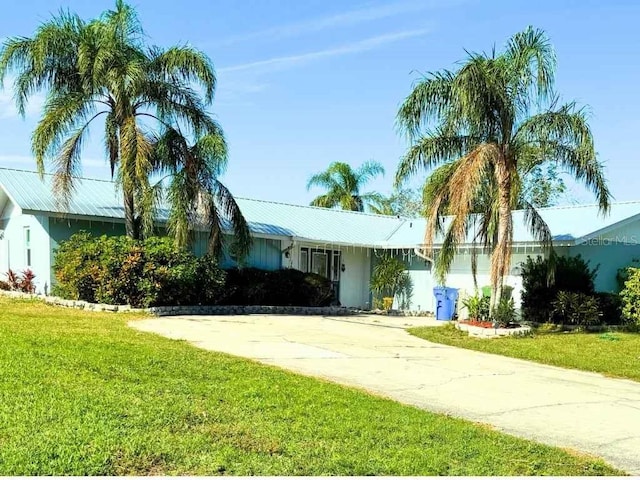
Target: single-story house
341, 245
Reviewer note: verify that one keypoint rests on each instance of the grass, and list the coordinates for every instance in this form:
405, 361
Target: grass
83, 394
613, 354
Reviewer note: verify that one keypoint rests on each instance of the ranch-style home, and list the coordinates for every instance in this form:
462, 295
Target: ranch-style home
341, 245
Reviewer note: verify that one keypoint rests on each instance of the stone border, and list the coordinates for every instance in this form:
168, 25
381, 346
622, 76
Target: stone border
249, 310
481, 332
188, 309
79, 304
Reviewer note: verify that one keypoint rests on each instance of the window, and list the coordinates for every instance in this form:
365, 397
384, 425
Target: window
320, 263
304, 259
27, 246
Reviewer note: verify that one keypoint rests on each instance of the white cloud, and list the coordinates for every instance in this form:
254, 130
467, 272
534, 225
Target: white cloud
345, 19
278, 63
8, 105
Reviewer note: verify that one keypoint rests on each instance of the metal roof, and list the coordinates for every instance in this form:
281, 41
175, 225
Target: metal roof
568, 224
101, 199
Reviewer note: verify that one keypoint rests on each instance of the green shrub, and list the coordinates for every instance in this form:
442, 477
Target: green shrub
542, 279
622, 274
288, 287
610, 308
390, 278
575, 308
504, 313
477, 307
630, 296
119, 270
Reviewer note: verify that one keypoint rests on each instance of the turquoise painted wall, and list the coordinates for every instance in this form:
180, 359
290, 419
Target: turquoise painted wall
609, 257
62, 228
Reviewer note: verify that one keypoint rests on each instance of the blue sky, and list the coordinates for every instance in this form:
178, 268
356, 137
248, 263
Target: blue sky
305, 83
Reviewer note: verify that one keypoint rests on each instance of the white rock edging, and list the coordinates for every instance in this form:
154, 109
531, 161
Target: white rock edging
187, 309
481, 332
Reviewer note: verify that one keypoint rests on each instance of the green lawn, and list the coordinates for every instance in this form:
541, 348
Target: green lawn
82, 394
613, 354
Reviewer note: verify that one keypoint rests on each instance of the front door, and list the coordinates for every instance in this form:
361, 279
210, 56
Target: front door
322, 262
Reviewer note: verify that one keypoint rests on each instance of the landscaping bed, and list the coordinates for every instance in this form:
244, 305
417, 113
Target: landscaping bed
82, 394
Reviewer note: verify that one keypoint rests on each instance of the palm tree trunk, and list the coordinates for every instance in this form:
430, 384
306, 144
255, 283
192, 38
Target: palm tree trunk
129, 216
501, 256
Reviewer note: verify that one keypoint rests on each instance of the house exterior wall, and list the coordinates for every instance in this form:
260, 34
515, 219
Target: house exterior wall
265, 253
616, 249
13, 246
419, 270
460, 276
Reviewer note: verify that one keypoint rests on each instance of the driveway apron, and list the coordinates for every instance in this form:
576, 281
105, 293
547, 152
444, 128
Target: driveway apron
567, 408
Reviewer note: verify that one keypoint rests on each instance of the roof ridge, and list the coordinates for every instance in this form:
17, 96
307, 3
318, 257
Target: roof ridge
581, 205
313, 207
77, 177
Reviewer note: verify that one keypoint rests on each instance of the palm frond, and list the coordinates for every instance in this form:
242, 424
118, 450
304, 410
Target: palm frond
431, 151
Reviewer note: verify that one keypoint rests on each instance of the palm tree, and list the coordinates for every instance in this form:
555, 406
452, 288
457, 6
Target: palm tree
480, 129
195, 193
102, 70
344, 184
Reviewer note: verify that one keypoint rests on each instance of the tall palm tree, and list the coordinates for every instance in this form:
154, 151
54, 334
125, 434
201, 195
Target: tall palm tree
479, 129
195, 193
103, 70
344, 184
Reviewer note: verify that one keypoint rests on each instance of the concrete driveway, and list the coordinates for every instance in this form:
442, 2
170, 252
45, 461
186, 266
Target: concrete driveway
584, 411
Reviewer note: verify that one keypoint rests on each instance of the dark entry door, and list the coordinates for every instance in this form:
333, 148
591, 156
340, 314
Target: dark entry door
323, 262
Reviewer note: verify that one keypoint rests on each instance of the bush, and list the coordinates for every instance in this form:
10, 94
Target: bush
630, 297
575, 308
610, 308
504, 313
542, 279
288, 287
119, 270
390, 278
477, 307
622, 274
19, 282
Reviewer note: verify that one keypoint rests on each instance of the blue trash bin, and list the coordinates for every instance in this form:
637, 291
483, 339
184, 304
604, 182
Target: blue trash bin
446, 298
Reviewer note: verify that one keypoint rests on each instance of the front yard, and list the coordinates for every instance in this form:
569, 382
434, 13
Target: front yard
83, 394
613, 354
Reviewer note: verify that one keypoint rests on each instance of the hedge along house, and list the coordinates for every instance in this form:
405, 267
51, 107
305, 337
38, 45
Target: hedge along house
340, 245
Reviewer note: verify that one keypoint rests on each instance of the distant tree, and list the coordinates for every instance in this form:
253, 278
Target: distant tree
542, 186
344, 186
406, 202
